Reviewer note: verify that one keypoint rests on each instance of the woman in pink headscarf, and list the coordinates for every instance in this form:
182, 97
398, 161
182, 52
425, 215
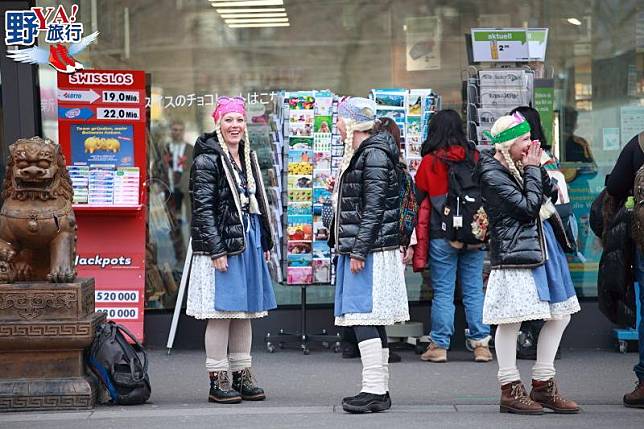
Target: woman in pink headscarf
231, 240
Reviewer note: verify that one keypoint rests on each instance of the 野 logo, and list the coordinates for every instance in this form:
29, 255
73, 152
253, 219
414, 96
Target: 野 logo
23, 27
102, 262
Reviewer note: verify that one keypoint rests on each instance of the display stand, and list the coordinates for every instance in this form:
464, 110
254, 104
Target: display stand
102, 133
311, 142
302, 337
490, 93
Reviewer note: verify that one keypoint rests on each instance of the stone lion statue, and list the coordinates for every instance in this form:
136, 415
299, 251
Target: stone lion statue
37, 223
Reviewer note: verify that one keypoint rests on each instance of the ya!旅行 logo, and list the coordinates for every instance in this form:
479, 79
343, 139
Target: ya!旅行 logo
23, 27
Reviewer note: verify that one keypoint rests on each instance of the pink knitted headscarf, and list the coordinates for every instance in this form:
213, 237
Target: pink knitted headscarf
229, 105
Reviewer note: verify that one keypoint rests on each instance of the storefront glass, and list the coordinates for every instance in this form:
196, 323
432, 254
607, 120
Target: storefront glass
595, 54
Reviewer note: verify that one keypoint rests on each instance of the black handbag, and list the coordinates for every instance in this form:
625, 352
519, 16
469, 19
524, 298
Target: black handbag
562, 223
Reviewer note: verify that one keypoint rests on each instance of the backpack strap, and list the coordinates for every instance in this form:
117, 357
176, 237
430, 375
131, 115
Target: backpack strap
397, 163
138, 347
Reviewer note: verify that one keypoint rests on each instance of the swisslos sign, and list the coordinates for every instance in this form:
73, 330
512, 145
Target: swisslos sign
98, 78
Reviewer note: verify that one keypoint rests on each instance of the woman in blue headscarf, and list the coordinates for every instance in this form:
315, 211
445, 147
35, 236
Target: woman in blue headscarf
370, 282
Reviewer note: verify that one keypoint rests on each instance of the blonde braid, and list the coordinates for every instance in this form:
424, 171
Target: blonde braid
250, 177
348, 146
512, 166
346, 159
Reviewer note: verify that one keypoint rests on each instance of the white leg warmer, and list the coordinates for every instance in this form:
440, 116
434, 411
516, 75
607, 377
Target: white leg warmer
213, 365
373, 374
239, 361
385, 366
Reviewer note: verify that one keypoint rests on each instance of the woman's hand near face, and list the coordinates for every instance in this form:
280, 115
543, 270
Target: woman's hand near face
533, 157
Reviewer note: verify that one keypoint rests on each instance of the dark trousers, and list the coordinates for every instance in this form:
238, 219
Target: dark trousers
358, 334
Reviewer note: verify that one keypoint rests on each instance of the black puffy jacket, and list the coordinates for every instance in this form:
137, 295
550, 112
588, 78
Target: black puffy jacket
611, 221
516, 235
367, 216
216, 227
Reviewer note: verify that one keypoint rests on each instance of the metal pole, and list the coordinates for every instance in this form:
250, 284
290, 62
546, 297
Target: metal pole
182, 289
303, 304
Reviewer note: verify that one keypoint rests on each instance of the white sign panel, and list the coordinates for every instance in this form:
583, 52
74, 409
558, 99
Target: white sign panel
117, 113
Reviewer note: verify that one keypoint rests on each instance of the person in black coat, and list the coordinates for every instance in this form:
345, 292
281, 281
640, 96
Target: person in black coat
370, 290
620, 185
350, 348
231, 241
530, 278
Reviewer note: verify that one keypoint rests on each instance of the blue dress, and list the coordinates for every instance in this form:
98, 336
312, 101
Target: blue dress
246, 285
553, 280
374, 296
353, 291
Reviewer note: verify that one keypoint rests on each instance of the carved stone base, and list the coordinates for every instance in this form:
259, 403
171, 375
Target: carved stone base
47, 394
44, 329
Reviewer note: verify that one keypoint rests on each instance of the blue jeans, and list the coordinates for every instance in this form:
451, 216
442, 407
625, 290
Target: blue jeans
639, 272
444, 262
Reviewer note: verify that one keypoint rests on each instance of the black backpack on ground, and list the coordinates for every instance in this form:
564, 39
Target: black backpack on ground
121, 367
463, 218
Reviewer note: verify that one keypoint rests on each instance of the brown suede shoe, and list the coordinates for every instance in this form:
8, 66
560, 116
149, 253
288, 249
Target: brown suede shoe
515, 400
547, 394
434, 354
481, 349
482, 354
635, 399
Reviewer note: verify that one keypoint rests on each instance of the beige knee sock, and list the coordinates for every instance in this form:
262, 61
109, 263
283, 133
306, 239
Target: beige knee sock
547, 345
216, 341
239, 344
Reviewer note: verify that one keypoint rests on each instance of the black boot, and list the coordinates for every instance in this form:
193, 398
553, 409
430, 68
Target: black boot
243, 382
220, 389
364, 402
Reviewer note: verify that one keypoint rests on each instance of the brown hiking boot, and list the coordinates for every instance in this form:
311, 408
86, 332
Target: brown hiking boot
547, 394
481, 349
635, 399
515, 400
434, 354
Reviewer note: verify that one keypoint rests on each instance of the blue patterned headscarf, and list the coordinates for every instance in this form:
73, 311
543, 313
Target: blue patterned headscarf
357, 109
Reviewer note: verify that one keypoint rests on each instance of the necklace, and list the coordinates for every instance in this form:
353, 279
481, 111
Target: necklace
243, 181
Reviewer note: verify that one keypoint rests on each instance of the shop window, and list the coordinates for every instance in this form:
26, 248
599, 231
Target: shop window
595, 55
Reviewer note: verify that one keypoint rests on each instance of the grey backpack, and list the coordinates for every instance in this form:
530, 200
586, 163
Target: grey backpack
121, 367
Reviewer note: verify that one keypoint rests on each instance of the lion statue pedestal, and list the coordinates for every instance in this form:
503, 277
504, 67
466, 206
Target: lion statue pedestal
44, 329
48, 318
